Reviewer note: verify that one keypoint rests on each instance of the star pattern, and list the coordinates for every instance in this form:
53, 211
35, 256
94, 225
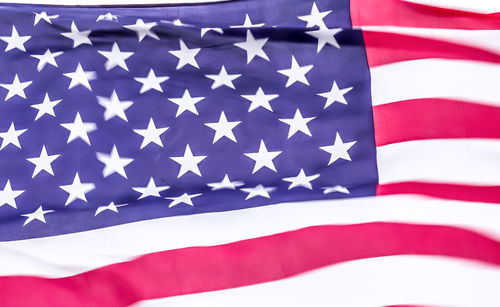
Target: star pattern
15, 41
44, 16
315, 17
226, 183
11, 136
151, 189
296, 73
151, 82
47, 58
46, 107
183, 199
258, 190
79, 130
339, 149
16, 88
78, 37
114, 107
335, 95
115, 57
143, 29
260, 99
38, 215
188, 162
81, 77
298, 123
77, 190
151, 134
223, 128
113, 163
43, 162
186, 103
301, 180
263, 158
223, 79
8, 196
253, 47
185, 55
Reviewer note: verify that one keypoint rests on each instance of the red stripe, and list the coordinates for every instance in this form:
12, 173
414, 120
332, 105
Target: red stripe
485, 194
405, 14
200, 269
421, 119
385, 48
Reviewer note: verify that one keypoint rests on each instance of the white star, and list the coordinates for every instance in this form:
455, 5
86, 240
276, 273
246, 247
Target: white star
183, 199
188, 162
151, 189
46, 107
297, 123
258, 190
143, 29
223, 79
16, 88
113, 163
110, 207
151, 82
178, 23
260, 99
14, 41
315, 18
337, 188
248, 23
263, 158
185, 55
335, 95
151, 134
325, 36
44, 16
205, 30
39, 215
8, 196
11, 136
77, 190
107, 17
223, 128
338, 150
225, 184
78, 37
43, 162
253, 47
296, 73
115, 57
81, 77
301, 180
79, 129
114, 107
186, 103
47, 58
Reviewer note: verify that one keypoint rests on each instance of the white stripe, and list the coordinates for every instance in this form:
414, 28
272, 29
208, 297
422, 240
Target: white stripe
74, 253
477, 6
436, 78
373, 282
460, 161
109, 2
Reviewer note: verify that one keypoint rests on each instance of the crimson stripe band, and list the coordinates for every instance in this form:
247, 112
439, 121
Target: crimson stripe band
201, 269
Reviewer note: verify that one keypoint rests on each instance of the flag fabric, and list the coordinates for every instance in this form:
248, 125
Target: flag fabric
250, 153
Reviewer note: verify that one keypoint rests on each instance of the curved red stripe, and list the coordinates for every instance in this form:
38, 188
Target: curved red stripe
385, 48
200, 269
485, 194
405, 14
421, 119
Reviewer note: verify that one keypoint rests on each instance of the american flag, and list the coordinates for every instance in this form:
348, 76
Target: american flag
250, 153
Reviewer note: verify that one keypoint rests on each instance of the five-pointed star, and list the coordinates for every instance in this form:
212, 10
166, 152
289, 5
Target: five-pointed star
77, 190
186, 103
114, 107
296, 73
183, 199
107, 17
260, 99
16, 88
248, 23
143, 29
39, 215
223, 79
185, 55
263, 158
223, 128
79, 129
46, 107
253, 47
81, 77
11, 136
188, 162
335, 95
225, 184
151, 189
110, 207
258, 190
78, 37
338, 150
47, 58
151, 134
301, 180
297, 123
43, 162
315, 18
205, 30
113, 163
325, 36
151, 82
14, 41
337, 188
115, 57
43, 16
8, 196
